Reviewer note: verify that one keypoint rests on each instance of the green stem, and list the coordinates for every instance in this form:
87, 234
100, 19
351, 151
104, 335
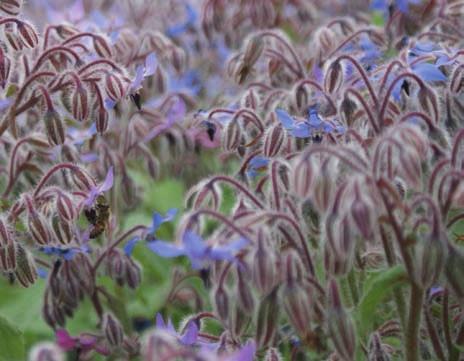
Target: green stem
412, 331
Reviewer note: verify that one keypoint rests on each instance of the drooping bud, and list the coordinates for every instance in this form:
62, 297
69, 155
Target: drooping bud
221, 301
267, 321
454, 271
340, 326
231, 136
102, 46
333, 77
339, 248
11, 7
7, 247
377, 350
101, 121
253, 50
114, 86
430, 254
54, 127
80, 104
14, 40
244, 293
362, 212
302, 176
82, 179
133, 273
113, 331
116, 266
38, 226
264, 266
28, 34
63, 230
428, 100
273, 141
65, 206
5, 65
25, 272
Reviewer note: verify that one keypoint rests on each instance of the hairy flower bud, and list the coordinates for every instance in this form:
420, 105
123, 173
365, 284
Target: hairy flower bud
116, 266
428, 100
113, 331
114, 86
454, 271
5, 65
38, 227
63, 230
333, 77
11, 7
54, 127
7, 247
244, 294
253, 50
101, 46
101, 121
28, 34
133, 273
80, 104
302, 176
25, 272
264, 266
297, 303
339, 248
231, 136
82, 179
65, 206
340, 326
273, 141
377, 350
430, 255
221, 301
266, 324
14, 40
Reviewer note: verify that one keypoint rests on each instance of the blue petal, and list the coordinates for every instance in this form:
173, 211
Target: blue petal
165, 249
301, 130
160, 322
190, 336
150, 64
287, 121
158, 219
194, 245
429, 72
108, 182
137, 82
109, 104
42, 272
130, 245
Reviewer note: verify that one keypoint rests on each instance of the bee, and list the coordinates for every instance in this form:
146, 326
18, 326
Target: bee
98, 216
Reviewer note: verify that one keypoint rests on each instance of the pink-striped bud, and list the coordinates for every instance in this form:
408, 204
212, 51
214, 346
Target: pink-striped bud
231, 136
302, 176
333, 77
221, 301
253, 50
244, 294
264, 266
113, 331
114, 86
11, 7
14, 40
428, 99
65, 31
65, 206
54, 127
38, 227
102, 46
266, 325
25, 272
101, 121
273, 141
82, 179
63, 230
454, 271
5, 65
80, 104
7, 247
28, 34
340, 326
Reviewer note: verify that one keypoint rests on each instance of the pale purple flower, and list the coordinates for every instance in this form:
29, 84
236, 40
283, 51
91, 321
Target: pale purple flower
97, 190
84, 342
188, 338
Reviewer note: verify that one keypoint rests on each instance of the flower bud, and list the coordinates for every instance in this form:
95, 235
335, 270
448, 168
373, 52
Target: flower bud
101, 121
266, 325
113, 331
26, 272
273, 141
46, 351
333, 77
340, 326
376, 351
231, 136
63, 230
428, 100
454, 271
65, 206
430, 255
14, 40
264, 266
253, 50
11, 7
362, 212
102, 46
133, 273
244, 294
302, 176
221, 301
339, 248
116, 266
114, 86
297, 303
38, 227
273, 354
7, 247
54, 127
5, 65
80, 102
28, 34
82, 179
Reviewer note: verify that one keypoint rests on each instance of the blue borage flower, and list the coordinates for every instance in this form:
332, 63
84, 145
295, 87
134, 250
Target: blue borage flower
401, 5
197, 250
188, 337
306, 128
190, 20
65, 253
157, 221
256, 165
99, 189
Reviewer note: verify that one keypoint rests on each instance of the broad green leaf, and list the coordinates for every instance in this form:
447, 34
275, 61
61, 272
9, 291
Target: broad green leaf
11, 342
378, 19
377, 288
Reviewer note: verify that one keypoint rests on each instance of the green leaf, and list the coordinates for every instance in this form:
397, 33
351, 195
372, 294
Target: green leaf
377, 288
378, 19
11, 342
